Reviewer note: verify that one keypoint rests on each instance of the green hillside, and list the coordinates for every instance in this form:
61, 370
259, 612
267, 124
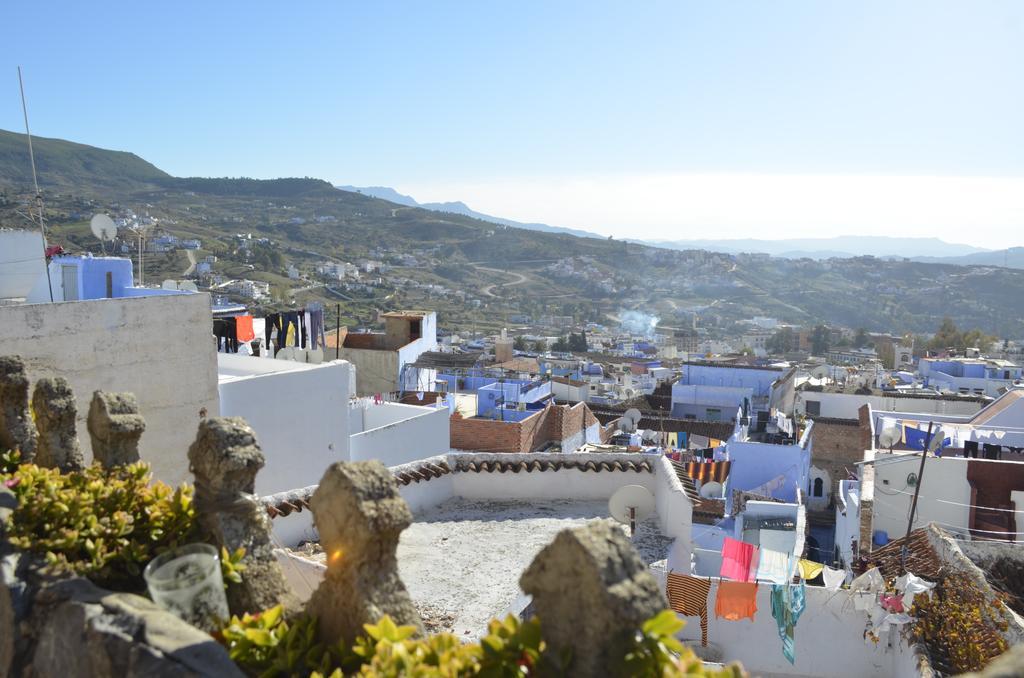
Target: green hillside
66, 165
485, 272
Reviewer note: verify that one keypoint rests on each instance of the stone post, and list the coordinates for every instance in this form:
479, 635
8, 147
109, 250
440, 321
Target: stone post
591, 592
16, 429
115, 427
53, 405
359, 514
225, 459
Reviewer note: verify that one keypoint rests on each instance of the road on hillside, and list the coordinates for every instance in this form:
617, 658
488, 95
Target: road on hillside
191, 263
486, 290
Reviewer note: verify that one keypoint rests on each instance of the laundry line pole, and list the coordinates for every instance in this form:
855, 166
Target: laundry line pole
917, 491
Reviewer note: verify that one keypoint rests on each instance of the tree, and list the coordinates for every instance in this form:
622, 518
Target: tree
819, 340
860, 339
540, 346
561, 345
578, 343
519, 343
783, 341
949, 336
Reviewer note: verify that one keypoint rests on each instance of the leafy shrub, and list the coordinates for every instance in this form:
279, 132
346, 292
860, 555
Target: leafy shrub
102, 524
960, 623
267, 645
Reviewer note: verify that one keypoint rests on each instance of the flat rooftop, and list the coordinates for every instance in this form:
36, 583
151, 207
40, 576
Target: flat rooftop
461, 560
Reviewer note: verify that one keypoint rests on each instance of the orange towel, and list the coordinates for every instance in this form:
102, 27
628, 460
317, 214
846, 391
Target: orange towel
243, 328
736, 600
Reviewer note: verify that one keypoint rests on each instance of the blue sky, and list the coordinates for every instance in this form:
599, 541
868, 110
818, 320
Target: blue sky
667, 119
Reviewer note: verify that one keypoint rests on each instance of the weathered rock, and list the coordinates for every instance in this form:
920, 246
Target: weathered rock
53, 405
225, 459
359, 514
86, 631
591, 593
115, 427
16, 429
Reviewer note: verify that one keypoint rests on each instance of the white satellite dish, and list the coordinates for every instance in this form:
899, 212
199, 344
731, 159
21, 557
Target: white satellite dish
103, 228
711, 490
648, 435
890, 434
188, 286
630, 419
630, 504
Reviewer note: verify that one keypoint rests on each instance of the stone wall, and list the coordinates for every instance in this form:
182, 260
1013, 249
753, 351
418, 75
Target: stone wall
160, 348
837, 447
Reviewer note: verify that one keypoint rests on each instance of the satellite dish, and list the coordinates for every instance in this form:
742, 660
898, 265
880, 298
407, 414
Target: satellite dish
188, 285
711, 490
631, 503
890, 434
103, 228
631, 418
936, 441
649, 435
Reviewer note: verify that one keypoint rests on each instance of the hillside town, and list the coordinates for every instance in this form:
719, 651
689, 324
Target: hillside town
854, 470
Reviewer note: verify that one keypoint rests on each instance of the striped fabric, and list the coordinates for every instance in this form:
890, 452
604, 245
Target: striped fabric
689, 597
707, 471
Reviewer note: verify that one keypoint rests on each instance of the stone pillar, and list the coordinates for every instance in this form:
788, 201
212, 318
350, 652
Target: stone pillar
53, 405
16, 429
225, 459
115, 427
591, 592
359, 514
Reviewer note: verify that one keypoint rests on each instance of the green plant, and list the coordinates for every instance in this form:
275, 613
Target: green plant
961, 623
231, 565
266, 645
10, 460
103, 524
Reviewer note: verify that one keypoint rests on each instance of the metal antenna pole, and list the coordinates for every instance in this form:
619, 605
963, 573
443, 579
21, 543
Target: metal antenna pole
917, 491
35, 182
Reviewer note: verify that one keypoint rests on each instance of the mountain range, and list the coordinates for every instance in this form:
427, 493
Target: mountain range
391, 195
501, 270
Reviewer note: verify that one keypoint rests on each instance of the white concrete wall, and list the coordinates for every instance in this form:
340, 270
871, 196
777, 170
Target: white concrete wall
675, 512
159, 348
376, 371
300, 416
828, 639
398, 434
944, 497
21, 262
846, 405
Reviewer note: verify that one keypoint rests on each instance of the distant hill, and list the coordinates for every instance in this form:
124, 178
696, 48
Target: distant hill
1010, 258
827, 248
390, 194
309, 220
65, 165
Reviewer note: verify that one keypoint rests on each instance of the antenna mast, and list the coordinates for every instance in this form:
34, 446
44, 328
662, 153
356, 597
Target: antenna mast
35, 182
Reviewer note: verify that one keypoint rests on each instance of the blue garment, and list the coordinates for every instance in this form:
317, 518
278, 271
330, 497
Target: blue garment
788, 602
916, 438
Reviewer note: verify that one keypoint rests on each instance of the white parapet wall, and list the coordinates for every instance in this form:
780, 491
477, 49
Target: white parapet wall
397, 434
160, 348
829, 640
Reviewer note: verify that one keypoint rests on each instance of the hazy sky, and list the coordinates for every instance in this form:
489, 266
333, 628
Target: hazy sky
654, 119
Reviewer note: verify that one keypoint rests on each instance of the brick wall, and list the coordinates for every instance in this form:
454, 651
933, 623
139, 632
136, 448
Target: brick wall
552, 424
838, 446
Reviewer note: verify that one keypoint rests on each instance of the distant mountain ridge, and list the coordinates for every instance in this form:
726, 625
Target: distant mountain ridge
827, 248
458, 207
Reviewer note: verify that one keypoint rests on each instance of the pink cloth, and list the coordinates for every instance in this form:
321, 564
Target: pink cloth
736, 560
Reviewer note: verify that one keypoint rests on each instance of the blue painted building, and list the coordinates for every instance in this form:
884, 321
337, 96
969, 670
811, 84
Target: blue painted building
77, 278
712, 391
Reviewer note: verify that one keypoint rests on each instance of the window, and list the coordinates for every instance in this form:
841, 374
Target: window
819, 488
714, 414
813, 408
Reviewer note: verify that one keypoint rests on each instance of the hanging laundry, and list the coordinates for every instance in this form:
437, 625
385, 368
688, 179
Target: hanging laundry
689, 597
891, 602
716, 471
869, 581
737, 558
809, 569
773, 566
788, 602
681, 437
911, 585
736, 600
833, 578
243, 328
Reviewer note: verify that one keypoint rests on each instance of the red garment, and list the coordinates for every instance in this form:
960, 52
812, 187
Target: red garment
736, 600
892, 602
737, 557
243, 328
